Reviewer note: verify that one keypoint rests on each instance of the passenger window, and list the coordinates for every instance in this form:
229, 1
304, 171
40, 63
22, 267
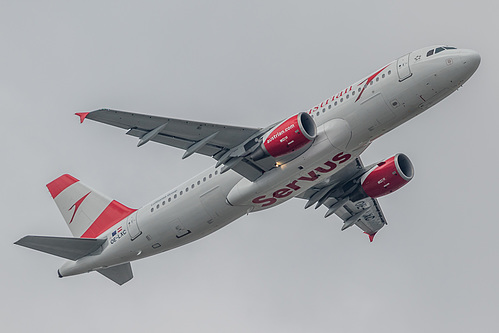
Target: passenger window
199, 182
439, 49
430, 53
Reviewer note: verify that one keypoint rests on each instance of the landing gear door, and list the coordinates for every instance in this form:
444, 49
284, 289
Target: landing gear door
132, 226
403, 69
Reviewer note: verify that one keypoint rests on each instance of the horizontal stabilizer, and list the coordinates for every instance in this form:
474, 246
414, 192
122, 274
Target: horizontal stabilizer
65, 247
119, 274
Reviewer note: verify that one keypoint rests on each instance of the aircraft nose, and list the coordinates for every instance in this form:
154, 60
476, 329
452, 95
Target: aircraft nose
471, 60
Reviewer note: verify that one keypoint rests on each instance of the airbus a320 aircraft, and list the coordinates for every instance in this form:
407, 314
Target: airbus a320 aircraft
312, 155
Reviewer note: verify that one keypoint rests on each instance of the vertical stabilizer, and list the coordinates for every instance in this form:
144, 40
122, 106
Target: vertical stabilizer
86, 212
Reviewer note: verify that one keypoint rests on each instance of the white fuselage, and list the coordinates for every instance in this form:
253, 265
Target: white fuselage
347, 123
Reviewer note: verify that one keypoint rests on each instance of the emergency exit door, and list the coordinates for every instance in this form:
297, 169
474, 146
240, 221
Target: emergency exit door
403, 69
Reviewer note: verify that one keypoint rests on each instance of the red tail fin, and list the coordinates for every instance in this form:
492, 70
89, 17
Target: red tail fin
87, 212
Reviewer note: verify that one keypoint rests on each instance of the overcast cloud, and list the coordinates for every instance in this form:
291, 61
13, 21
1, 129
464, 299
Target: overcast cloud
434, 268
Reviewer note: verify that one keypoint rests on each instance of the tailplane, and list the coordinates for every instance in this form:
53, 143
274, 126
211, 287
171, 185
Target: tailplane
119, 274
88, 215
86, 212
65, 247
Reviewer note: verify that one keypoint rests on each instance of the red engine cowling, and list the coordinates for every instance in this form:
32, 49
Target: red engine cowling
289, 136
388, 176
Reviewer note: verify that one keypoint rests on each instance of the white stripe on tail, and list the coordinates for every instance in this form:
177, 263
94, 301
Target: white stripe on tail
87, 212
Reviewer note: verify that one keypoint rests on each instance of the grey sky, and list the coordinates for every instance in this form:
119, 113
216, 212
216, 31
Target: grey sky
434, 268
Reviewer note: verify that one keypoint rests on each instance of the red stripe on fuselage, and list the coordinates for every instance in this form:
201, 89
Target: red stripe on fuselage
113, 214
60, 184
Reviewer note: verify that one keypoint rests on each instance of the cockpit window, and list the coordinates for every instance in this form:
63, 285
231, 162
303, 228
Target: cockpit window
439, 49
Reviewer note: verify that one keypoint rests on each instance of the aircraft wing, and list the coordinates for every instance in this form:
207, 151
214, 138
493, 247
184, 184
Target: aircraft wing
341, 194
229, 145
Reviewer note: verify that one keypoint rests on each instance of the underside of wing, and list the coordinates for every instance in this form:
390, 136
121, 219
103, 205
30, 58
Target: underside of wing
341, 195
365, 213
229, 145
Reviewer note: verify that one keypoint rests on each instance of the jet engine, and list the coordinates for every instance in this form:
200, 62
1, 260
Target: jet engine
387, 176
287, 137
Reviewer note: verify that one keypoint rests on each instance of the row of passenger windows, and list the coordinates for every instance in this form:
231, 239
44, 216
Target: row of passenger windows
347, 96
439, 49
175, 195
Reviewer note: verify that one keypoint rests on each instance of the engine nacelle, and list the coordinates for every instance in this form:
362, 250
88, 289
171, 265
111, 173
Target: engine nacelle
287, 137
388, 176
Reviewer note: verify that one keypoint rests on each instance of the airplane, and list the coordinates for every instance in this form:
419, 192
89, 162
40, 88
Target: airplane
313, 155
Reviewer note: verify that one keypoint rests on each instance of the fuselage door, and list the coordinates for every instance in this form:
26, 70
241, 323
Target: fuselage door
132, 226
403, 69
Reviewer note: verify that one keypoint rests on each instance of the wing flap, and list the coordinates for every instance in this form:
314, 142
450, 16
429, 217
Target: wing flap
367, 214
337, 193
65, 247
248, 169
177, 142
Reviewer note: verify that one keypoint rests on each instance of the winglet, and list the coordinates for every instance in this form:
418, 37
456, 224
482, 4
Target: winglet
82, 116
371, 236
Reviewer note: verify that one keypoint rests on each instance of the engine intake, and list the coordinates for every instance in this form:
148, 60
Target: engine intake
287, 137
388, 176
